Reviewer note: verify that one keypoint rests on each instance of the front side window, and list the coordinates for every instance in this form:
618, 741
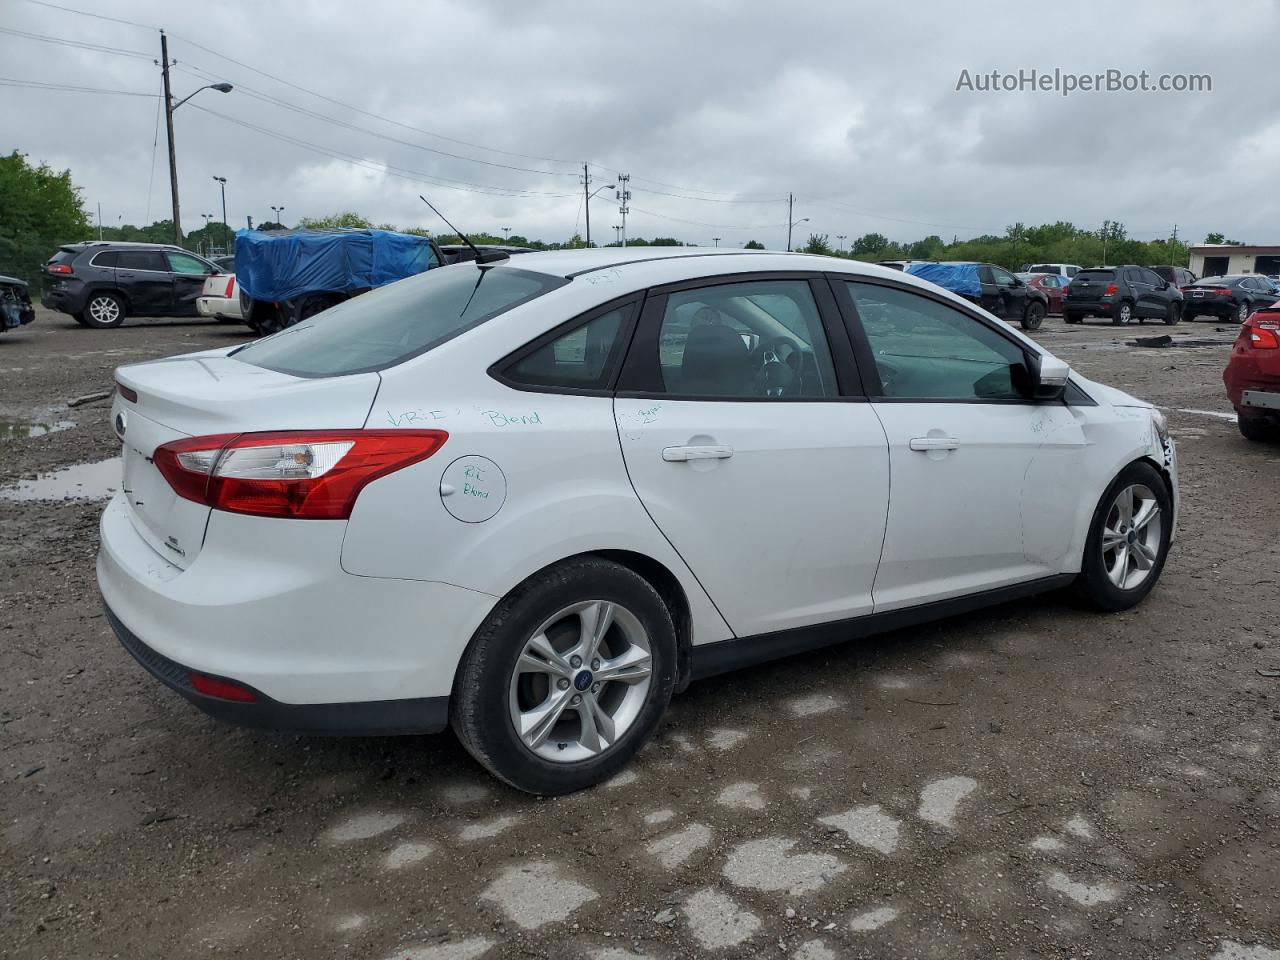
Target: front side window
393, 323
182, 263
924, 349
1003, 277
579, 359
755, 339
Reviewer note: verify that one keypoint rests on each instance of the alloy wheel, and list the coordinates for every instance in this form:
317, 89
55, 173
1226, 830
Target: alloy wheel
104, 310
581, 681
1132, 535
1126, 313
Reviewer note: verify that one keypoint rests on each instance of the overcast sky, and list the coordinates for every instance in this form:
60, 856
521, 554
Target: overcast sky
853, 107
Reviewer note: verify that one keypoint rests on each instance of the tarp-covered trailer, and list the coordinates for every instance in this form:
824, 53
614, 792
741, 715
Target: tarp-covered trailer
288, 275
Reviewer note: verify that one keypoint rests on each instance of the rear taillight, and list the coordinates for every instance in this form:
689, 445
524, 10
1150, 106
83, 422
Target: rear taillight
129, 394
302, 475
231, 285
1264, 338
63, 268
1222, 293
1111, 290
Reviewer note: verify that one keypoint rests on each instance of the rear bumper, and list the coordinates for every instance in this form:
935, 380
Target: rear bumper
266, 604
1191, 306
62, 301
218, 307
1097, 308
368, 718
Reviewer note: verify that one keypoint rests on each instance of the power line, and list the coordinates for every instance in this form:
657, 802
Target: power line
203, 74
699, 223
79, 44
96, 16
402, 172
41, 85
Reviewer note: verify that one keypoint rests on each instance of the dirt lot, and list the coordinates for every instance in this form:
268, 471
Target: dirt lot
1031, 781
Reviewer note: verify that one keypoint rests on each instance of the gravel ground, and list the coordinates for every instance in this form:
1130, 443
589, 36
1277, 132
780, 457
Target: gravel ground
1030, 781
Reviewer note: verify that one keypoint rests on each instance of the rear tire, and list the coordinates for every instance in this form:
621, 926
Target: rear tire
1072, 318
1112, 574
1242, 313
1122, 314
495, 688
103, 311
1257, 429
1033, 316
1173, 314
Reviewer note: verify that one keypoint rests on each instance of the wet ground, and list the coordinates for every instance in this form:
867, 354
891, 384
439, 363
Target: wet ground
1029, 781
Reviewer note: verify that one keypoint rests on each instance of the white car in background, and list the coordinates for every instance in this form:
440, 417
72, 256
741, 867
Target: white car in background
534, 498
220, 298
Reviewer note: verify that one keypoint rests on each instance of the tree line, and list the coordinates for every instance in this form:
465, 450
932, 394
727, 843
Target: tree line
40, 209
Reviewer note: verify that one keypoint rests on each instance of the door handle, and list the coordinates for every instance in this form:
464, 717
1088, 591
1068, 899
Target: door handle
681, 454
934, 443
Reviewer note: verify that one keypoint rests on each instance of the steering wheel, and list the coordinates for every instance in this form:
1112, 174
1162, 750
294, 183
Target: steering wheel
780, 367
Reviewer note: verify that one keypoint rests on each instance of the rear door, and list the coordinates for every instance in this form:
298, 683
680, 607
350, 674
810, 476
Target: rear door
188, 274
983, 493
766, 471
1145, 302
143, 277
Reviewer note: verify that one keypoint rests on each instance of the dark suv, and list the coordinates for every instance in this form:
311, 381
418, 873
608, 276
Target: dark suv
100, 283
1123, 294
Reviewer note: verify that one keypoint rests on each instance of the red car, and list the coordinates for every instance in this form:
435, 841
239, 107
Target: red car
1051, 285
1253, 375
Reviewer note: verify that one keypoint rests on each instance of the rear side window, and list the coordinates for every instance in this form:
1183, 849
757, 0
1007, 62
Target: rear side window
581, 359
401, 320
108, 258
141, 260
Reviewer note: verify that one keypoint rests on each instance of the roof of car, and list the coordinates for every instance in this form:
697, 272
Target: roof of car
15, 280
572, 263
125, 244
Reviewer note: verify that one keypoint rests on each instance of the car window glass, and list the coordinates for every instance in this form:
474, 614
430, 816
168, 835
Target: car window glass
1151, 277
393, 323
182, 263
984, 274
1003, 277
760, 338
141, 260
107, 258
924, 349
579, 358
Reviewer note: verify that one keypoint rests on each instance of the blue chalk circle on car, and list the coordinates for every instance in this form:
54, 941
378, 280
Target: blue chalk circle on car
473, 489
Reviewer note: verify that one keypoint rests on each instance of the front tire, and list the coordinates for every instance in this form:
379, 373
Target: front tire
1242, 312
1128, 540
566, 678
1033, 316
103, 311
1173, 314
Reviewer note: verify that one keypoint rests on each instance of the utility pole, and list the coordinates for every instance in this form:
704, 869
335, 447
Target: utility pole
717, 240
100, 220
1106, 234
623, 194
791, 202
168, 126
586, 199
222, 182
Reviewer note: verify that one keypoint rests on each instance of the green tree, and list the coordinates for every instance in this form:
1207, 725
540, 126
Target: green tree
39, 210
870, 243
347, 218
665, 242
818, 243
753, 245
1214, 238
930, 248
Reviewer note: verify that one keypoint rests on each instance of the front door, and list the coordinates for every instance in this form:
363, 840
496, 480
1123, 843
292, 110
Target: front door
189, 274
982, 493
769, 476
1013, 295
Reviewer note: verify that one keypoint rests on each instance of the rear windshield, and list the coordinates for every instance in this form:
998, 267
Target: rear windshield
1215, 282
1095, 275
401, 320
1043, 268
63, 256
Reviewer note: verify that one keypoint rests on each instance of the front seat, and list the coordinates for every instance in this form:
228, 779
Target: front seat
716, 363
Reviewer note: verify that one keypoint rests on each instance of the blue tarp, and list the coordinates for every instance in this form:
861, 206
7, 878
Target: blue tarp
284, 265
961, 278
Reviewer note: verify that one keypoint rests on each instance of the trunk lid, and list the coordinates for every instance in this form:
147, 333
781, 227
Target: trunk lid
211, 393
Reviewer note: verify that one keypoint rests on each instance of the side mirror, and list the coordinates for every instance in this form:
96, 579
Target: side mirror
1048, 376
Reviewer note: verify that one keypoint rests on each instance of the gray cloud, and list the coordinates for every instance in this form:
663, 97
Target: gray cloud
841, 103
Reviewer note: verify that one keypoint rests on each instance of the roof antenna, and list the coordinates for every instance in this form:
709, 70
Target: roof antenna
488, 257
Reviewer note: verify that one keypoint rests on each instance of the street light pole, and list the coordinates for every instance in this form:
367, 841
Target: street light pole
717, 240
222, 182
277, 211
169, 107
842, 237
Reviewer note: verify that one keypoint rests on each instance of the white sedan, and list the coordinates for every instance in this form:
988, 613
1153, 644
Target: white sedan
220, 298
532, 499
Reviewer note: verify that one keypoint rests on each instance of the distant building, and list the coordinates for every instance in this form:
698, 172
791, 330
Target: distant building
1218, 259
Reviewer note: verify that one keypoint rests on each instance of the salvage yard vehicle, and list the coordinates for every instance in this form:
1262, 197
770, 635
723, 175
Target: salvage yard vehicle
1123, 294
533, 498
1230, 298
103, 281
1064, 270
1252, 376
15, 304
286, 276
220, 299
993, 288
1052, 285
